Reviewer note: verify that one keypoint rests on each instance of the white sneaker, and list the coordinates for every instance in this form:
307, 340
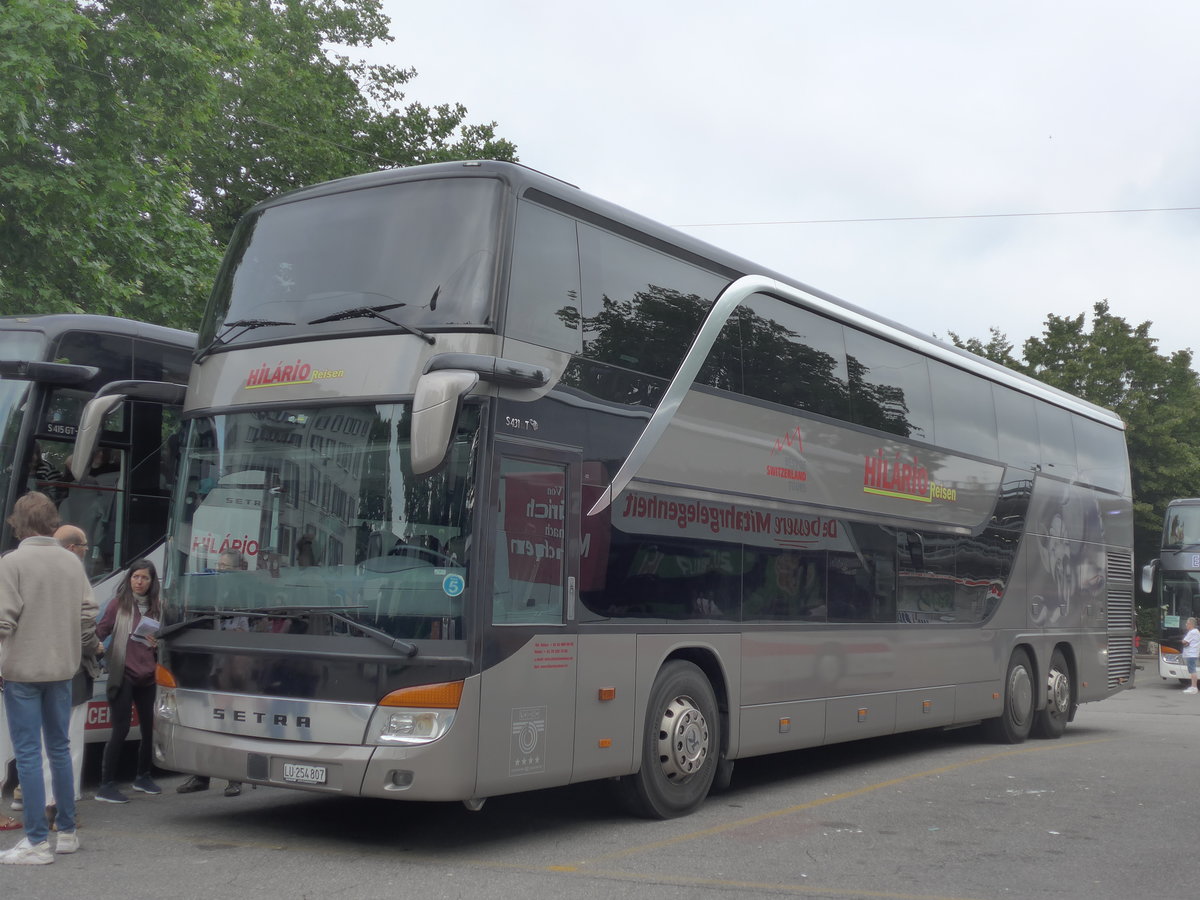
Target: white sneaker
27, 854
1190, 690
68, 842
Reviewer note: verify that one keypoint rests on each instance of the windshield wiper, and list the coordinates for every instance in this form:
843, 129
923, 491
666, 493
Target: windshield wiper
403, 647
245, 324
200, 615
374, 312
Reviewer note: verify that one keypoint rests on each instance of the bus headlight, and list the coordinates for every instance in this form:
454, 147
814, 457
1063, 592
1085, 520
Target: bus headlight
408, 726
415, 715
166, 708
1171, 658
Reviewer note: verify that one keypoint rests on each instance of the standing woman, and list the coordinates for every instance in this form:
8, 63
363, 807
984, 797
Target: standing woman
131, 664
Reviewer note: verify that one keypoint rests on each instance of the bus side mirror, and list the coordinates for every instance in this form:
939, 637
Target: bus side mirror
1148, 572
106, 400
88, 435
435, 412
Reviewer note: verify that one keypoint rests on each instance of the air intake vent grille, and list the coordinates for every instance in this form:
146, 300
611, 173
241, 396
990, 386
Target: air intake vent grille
1120, 618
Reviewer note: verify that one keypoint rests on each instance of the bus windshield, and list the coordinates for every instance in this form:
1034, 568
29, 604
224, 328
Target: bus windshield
420, 253
1182, 527
316, 508
15, 345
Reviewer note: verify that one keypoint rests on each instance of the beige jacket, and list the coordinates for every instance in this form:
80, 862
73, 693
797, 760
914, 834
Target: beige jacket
47, 612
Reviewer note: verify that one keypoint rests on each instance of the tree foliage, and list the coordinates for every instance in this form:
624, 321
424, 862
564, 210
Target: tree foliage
134, 133
1118, 366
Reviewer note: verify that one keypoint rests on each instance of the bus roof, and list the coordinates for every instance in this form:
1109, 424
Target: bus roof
53, 324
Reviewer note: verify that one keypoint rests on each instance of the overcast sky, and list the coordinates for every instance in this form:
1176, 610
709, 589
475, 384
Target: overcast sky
752, 123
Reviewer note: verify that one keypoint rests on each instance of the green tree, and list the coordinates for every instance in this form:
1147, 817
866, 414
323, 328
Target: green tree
134, 133
93, 183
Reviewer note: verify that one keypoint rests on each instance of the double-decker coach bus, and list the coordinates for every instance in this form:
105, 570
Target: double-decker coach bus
50, 367
1173, 579
489, 485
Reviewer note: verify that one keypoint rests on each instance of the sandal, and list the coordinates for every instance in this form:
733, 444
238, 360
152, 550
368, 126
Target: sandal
8, 823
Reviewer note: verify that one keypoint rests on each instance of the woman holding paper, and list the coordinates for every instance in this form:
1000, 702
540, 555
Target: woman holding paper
132, 618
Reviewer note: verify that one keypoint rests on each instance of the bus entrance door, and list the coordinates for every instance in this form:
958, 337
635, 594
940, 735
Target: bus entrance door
527, 715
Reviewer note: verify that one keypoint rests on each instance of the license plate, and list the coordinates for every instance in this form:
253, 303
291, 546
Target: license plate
298, 774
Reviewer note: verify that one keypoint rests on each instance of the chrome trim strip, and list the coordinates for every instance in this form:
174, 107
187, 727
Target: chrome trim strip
734, 295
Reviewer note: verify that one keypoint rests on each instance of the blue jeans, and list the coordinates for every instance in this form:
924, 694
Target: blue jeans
35, 708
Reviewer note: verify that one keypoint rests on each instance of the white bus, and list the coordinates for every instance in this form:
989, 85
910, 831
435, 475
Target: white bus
526, 490
1173, 579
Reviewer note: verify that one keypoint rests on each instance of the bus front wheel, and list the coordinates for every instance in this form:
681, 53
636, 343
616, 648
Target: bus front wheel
1014, 722
681, 746
1051, 722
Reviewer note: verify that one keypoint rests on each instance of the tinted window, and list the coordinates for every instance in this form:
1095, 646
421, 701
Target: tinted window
925, 577
963, 410
889, 387
944, 579
862, 585
1017, 428
1101, 452
725, 368
543, 290
793, 356
111, 354
641, 308
156, 362
1058, 442
785, 586
427, 245
527, 586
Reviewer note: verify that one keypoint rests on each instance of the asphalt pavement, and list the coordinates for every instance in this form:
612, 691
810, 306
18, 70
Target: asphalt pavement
1103, 814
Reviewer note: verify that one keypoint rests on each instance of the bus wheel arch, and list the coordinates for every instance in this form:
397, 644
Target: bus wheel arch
1051, 720
681, 745
1015, 721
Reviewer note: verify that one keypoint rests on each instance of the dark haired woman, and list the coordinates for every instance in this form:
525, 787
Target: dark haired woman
131, 663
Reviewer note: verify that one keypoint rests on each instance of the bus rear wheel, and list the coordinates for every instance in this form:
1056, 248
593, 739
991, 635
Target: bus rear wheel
1014, 722
1051, 722
681, 746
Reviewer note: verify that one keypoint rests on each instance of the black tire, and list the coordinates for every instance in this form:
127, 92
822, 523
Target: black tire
1012, 726
1051, 721
723, 777
681, 747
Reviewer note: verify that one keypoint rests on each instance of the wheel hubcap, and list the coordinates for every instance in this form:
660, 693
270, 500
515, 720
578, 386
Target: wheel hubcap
1059, 687
683, 739
1020, 695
